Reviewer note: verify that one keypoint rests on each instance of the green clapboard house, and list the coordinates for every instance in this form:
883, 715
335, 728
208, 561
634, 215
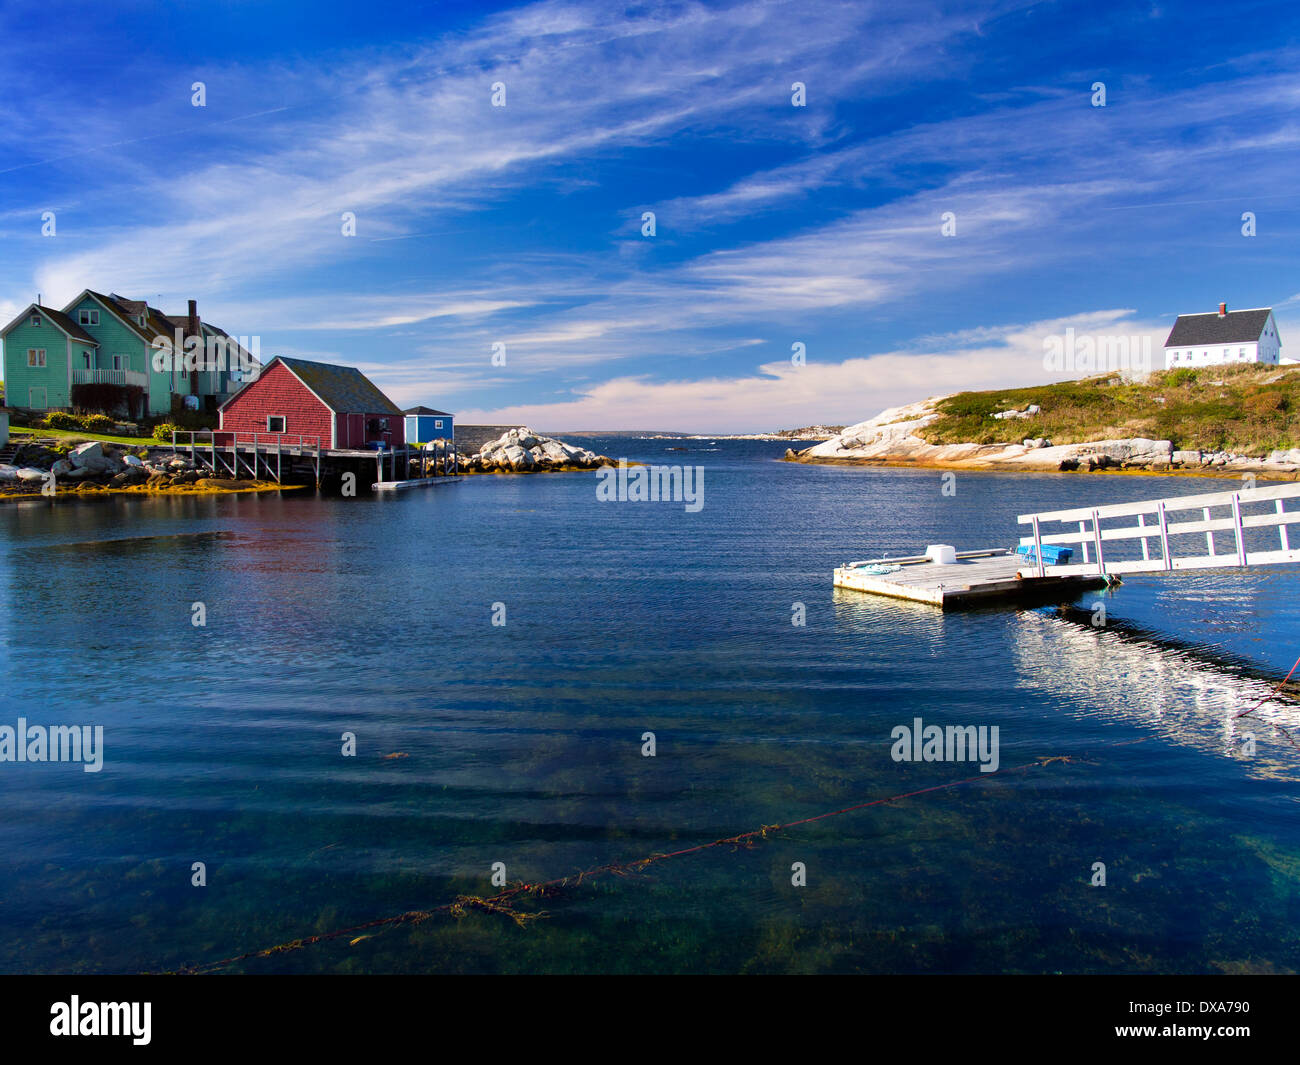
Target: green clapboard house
103, 353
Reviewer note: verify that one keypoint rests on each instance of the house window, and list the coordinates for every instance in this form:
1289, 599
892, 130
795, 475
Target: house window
437, 424
275, 423
119, 362
86, 355
36, 320
87, 317
35, 356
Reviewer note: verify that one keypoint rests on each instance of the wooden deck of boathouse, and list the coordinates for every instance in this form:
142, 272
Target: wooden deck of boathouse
278, 457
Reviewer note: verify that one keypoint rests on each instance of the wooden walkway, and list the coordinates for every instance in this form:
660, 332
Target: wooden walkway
1252, 524
274, 456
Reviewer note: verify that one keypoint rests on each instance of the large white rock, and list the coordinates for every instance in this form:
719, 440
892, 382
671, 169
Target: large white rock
85, 454
7, 472
522, 449
90, 456
31, 475
1137, 450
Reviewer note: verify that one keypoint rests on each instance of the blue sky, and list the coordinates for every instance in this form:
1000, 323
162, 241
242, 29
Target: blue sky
521, 225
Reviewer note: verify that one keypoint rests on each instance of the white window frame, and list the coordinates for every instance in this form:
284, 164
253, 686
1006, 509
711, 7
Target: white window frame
437, 423
284, 423
119, 362
36, 321
36, 358
88, 316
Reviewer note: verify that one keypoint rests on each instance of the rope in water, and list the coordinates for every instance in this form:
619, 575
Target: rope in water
1286, 733
503, 902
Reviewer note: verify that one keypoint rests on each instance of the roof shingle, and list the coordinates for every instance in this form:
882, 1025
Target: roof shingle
344, 389
68, 325
1235, 327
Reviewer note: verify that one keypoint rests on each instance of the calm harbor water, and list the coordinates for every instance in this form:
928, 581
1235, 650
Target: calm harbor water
521, 743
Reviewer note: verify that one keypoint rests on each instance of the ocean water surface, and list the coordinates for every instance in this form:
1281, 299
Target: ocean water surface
522, 743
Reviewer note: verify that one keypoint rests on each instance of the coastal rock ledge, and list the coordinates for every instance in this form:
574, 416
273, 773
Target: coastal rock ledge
893, 438
523, 451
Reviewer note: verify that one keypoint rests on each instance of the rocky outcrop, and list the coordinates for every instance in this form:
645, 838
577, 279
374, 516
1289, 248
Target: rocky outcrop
893, 438
523, 451
96, 466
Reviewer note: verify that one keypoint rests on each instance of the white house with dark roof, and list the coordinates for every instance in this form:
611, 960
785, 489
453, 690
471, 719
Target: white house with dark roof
1223, 336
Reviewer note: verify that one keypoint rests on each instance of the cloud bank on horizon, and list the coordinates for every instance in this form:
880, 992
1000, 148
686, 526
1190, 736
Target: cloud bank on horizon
778, 222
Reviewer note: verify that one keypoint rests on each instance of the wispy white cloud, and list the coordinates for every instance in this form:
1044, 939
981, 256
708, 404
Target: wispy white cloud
783, 395
807, 217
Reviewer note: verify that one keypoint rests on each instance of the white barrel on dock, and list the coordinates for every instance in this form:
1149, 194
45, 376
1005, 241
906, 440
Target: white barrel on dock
942, 554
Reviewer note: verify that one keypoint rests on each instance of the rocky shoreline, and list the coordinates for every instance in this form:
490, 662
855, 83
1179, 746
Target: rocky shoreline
50, 467
523, 451
892, 438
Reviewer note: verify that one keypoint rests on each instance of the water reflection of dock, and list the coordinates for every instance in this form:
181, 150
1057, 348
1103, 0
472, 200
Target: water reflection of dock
1182, 695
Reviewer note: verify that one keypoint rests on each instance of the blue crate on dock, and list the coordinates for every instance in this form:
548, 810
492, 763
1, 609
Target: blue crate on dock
1053, 554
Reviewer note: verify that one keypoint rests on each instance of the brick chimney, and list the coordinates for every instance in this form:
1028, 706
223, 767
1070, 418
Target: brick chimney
1223, 310
194, 331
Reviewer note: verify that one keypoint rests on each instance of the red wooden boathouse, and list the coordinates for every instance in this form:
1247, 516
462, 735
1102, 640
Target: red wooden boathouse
294, 399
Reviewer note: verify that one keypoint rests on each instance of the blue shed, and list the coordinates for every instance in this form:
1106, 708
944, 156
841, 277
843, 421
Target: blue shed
424, 424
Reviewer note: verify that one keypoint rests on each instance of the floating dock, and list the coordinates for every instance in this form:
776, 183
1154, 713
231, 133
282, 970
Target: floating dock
975, 577
1045, 566
415, 482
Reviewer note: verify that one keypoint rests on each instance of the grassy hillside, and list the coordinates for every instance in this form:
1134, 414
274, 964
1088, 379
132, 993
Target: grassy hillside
1246, 409
21, 436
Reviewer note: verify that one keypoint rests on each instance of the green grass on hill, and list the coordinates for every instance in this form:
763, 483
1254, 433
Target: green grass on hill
1247, 409
22, 435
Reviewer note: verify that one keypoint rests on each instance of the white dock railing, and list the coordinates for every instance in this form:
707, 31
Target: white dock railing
1247, 513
